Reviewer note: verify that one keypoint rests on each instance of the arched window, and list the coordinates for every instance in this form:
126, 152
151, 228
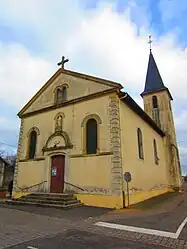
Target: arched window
155, 102
32, 144
64, 94
91, 136
140, 144
155, 111
155, 151
58, 96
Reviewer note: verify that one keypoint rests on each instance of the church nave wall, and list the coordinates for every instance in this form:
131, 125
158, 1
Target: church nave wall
147, 174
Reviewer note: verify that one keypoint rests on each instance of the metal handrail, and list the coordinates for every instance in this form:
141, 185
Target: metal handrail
74, 186
32, 186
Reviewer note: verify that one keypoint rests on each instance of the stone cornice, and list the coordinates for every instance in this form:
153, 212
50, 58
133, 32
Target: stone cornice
71, 73
67, 103
92, 155
30, 160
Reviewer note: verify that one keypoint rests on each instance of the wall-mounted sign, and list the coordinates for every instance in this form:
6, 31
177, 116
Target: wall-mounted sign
127, 177
54, 171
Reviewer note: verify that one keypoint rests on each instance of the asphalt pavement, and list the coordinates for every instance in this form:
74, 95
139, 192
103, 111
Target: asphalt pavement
75, 239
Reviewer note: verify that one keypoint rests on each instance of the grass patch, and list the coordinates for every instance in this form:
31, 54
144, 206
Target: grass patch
154, 201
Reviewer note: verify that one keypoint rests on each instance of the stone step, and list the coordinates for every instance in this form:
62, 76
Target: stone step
49, 201
19, 202
57, 198
60, 195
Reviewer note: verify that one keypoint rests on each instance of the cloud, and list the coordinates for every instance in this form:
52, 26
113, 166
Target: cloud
183, 156
98, 41
21, 74
181, 120
8, 124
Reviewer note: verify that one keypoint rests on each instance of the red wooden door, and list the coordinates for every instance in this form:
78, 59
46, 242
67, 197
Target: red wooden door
57, 174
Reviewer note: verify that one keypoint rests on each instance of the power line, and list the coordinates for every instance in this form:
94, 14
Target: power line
8, 145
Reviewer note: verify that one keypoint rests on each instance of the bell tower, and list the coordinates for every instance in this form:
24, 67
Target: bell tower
157, 104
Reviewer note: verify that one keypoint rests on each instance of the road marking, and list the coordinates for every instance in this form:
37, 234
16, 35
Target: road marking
31, 247
144, 230
179, 230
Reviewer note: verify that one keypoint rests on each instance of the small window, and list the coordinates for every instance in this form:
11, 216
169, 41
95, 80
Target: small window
58, 96
91, 136
64, 94
140, 144
155, 151
32, 144
155, 102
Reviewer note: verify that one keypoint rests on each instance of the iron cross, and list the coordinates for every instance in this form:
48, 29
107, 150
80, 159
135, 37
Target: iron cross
62, 62
150, 41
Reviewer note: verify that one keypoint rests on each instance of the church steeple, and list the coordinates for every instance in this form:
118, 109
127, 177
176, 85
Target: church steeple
157, 104
153, 82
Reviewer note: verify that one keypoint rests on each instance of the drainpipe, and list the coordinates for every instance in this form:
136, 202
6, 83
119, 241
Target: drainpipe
122, 180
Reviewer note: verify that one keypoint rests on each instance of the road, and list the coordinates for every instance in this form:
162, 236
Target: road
83, 240
35, 227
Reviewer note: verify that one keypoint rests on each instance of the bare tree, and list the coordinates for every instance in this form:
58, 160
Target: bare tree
11, 159
2, 153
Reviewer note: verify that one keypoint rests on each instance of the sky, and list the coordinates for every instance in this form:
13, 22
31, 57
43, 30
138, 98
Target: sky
107, 38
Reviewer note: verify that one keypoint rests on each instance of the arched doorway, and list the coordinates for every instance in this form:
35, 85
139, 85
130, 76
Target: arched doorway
57, 173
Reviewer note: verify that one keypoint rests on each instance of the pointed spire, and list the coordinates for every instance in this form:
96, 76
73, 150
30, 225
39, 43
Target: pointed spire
153, 81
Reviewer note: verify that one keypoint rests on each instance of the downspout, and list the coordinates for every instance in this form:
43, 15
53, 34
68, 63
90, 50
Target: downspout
122, 180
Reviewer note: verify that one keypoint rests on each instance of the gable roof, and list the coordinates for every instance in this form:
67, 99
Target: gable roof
72, 73
126, 98
153, 82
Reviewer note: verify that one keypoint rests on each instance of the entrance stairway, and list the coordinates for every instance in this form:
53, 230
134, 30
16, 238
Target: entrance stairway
63, 201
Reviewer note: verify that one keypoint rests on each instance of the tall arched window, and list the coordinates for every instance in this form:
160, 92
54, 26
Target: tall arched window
64, 94
155, 102
32, 144
58, 96
140, 144
91, 136
155, 151
155, 111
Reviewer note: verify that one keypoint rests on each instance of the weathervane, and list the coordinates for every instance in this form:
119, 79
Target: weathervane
150, 41
62, 62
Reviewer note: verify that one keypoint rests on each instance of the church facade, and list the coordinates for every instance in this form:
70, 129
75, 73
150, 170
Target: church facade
81, 134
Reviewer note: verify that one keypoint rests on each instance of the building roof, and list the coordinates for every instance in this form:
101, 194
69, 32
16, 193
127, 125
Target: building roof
126, 98
153, 82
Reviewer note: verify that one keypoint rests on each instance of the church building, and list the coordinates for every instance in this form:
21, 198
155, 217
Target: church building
80, 134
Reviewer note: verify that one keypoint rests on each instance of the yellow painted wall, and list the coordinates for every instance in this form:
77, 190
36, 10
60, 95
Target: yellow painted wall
30, 173
146, 175
89, 171
107, 201
74, 115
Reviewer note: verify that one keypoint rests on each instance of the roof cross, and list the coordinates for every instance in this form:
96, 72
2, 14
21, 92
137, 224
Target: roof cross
150, 41
62, 62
